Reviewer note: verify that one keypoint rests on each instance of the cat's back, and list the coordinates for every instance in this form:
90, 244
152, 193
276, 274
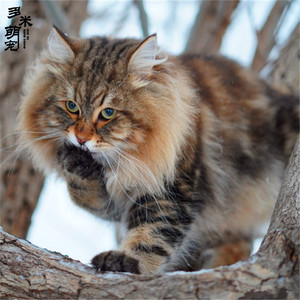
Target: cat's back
219, 80
243, 108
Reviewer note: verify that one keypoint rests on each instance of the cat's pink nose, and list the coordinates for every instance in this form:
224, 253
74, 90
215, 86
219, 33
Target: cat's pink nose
81, 141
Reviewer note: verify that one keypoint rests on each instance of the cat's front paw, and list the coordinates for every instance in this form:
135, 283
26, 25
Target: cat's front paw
79, 162
115, 261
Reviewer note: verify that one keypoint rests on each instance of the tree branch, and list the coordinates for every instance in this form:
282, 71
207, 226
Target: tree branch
211, 23
266, 36
143, 17
285, 70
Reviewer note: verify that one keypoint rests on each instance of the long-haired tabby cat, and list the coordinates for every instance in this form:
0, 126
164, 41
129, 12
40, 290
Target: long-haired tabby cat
186, 152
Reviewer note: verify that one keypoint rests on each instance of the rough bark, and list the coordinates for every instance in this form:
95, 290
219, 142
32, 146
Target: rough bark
211, 23
273, 273
20, 184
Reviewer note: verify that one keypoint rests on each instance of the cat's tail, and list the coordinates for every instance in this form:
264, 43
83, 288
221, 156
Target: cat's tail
287, 119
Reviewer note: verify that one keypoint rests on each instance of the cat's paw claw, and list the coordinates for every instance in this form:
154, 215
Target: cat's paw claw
115, 261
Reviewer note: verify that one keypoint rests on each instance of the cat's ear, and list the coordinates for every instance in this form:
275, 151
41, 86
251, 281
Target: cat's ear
146, 56
61, 47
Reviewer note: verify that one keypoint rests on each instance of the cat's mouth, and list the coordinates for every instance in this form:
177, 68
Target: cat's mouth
91, 153
92, 148
96, 155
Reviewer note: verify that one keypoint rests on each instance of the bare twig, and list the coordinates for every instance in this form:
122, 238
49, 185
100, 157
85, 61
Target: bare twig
143, 16
122, 18
266, 36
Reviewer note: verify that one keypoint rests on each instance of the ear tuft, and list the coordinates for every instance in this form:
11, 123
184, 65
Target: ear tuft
59, 46
147, 55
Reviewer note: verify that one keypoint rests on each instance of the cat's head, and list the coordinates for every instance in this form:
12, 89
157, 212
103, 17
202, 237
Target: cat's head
120, 99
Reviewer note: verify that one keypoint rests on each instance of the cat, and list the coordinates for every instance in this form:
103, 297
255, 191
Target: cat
186, 152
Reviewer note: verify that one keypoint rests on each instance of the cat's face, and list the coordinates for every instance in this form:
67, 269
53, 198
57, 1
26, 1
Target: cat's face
99, 117
112, 98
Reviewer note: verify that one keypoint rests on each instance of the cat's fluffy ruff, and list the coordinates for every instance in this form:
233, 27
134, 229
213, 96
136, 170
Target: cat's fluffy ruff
191, 162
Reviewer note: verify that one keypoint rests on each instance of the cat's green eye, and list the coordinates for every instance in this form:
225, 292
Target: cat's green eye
108, 113
72, 107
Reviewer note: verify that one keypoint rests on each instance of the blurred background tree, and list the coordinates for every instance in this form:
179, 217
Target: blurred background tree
20, 183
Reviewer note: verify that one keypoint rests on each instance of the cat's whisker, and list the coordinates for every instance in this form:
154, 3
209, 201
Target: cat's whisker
121, 167
9, 147
128, 168
125, 169
117, 180
24, 145
20, 147
108, 204
141, 168
18, 133
18, 153
141, 178
15, 156
16, 145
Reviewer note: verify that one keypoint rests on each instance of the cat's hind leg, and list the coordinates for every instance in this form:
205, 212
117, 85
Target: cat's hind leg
226, 254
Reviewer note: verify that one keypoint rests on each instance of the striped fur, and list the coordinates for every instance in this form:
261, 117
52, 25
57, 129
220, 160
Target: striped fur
191, 162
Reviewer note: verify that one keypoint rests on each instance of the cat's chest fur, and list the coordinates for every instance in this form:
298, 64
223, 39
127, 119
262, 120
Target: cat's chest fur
126, 180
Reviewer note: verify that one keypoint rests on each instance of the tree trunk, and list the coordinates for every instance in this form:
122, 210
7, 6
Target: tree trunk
20, 183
